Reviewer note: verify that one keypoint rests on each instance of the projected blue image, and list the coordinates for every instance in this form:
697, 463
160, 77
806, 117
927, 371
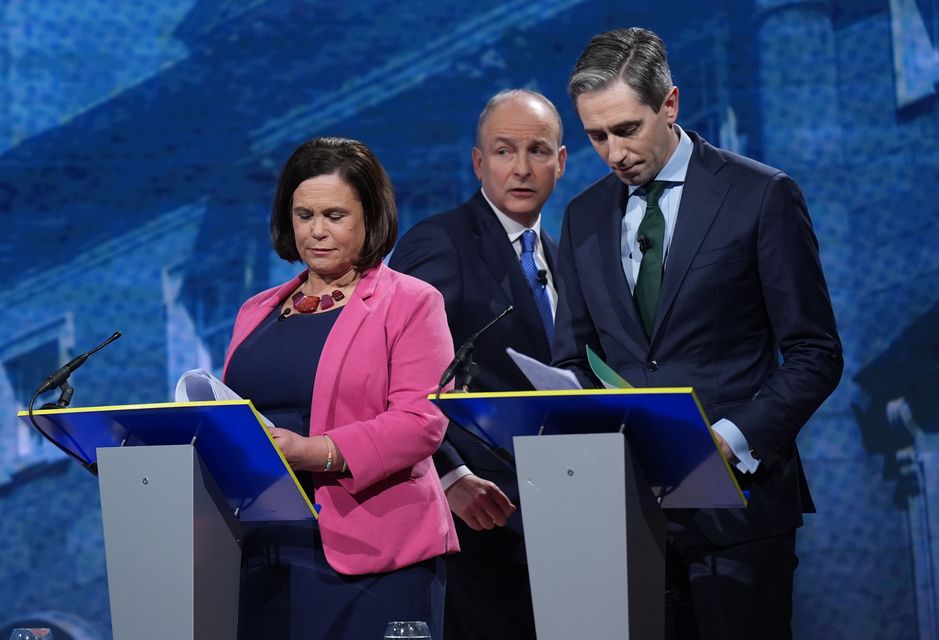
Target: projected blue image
139, 150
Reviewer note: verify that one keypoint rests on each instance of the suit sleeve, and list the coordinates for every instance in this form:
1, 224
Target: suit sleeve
799, 311
411, 428
427, 252
573, 325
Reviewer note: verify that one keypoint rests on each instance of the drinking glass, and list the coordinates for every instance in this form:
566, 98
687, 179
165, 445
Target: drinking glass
408, 629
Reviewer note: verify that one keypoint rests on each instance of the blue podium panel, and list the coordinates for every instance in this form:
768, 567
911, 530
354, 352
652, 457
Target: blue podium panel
666, 430
231, 441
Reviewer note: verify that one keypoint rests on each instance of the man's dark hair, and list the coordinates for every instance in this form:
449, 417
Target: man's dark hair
357, 165
635, 56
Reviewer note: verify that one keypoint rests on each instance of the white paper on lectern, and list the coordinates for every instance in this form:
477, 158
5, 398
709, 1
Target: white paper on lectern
198, 385
541, 376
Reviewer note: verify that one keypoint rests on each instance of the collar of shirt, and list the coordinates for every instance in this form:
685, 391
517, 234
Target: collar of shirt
677, 166
514, 231
674, 171
512, 228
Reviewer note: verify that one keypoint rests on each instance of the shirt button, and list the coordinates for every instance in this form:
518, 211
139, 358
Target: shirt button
653, 365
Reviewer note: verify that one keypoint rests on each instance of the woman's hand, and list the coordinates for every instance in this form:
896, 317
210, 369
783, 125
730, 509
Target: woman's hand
297, 449
308, 454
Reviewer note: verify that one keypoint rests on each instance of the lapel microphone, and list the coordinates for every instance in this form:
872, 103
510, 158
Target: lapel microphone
542, 277
644, 243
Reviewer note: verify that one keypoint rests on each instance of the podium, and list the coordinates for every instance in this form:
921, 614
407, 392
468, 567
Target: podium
595, 469
179, 485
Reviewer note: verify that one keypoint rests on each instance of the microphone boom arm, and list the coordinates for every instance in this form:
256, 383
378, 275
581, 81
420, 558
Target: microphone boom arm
464, 355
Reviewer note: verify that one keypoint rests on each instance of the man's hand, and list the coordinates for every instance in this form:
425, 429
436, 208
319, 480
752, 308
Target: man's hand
479, 503
726, 451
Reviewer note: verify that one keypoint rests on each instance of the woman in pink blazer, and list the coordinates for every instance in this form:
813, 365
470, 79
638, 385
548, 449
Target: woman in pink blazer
342, 359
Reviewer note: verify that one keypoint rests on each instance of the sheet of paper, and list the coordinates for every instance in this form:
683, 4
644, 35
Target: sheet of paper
541, 376
198, 385
605, 373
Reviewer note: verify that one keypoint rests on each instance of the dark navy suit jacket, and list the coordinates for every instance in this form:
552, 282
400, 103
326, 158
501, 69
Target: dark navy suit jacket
743, 284
466, 254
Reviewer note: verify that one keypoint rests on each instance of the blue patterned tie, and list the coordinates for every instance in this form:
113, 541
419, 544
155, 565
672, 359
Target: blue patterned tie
538, 289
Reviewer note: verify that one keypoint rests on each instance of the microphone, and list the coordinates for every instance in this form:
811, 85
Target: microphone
59, 379
464, 353
542, 277
644, 243
62, 374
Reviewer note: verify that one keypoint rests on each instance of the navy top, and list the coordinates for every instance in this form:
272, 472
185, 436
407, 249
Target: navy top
288, 590
275, 368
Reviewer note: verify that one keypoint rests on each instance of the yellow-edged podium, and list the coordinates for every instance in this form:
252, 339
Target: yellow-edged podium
595, 469
179, 485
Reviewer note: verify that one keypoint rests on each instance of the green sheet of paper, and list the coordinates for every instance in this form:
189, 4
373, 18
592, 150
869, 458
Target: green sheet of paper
603, 371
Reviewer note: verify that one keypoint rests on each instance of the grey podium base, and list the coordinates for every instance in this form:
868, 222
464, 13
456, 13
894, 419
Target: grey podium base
173, 558
594, 537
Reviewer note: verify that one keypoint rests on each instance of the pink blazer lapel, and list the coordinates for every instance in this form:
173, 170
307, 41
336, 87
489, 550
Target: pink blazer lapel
251, 315
338, 343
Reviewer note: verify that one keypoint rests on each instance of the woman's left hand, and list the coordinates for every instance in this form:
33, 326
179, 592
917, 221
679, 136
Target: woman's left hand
296, 448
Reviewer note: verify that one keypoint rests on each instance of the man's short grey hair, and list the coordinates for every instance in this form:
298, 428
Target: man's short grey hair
635, 56
509, 94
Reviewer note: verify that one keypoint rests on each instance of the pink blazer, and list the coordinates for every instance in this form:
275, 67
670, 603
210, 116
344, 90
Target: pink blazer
382, 358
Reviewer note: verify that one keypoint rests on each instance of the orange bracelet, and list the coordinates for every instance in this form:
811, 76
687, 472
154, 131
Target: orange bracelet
329, 454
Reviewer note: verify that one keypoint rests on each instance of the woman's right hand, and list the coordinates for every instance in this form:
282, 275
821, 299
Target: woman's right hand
298, 450
307, 454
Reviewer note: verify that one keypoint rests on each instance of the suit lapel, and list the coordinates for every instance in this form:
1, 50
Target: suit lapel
491, 243
701, 199
340, 340
498, 255
610, 229
550, 250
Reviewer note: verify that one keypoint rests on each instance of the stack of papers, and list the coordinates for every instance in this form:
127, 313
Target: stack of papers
198, 385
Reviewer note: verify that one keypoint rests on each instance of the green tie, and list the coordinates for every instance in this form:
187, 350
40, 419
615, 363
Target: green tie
651, 236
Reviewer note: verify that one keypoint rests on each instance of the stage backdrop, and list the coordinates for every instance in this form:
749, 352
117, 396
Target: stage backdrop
140, 142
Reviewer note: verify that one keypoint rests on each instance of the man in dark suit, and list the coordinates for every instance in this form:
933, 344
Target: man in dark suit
691, 266
483, 256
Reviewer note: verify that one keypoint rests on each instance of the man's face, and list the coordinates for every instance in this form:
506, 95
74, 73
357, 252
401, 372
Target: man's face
632, 139
519, 160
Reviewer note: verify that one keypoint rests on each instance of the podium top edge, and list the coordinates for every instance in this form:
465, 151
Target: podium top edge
134, 407
568, 392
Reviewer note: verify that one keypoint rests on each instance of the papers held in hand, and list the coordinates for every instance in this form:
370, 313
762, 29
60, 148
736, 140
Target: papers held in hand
545, 378
198, 385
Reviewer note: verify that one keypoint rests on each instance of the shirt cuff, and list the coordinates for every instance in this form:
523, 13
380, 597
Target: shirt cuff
738, 444
450, 477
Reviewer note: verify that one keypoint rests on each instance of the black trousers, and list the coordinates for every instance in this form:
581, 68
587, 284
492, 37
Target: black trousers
740, 591
487, 600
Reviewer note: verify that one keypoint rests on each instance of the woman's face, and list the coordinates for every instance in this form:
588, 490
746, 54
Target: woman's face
328, 225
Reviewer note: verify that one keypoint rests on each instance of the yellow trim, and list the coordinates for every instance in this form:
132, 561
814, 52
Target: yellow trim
569, 392
730, 471
134, 407
608, 392
169, 405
